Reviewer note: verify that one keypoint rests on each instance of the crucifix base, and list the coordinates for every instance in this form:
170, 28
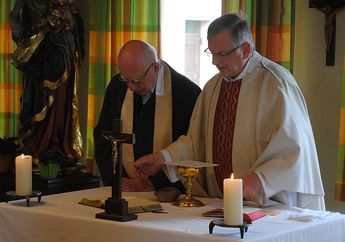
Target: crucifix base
117, 210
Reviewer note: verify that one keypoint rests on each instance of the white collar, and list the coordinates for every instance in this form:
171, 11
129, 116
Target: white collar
159, 84
251, 63
160, 78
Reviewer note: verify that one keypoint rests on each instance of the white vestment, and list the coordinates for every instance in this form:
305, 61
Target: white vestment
273, 137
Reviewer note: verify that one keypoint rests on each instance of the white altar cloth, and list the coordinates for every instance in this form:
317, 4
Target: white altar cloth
59, 218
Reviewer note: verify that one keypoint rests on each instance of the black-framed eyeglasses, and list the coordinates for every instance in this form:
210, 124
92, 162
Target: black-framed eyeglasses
221, 55
138, 80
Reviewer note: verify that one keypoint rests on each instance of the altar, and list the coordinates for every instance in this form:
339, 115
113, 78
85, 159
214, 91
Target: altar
59, 217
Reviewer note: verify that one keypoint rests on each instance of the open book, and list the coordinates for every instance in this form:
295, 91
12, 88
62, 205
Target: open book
249, 213
135, 204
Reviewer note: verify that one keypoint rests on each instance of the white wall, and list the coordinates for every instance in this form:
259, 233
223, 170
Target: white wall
321, 86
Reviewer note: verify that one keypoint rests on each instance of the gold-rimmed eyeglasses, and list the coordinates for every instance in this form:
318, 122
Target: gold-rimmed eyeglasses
221, 55
138, 80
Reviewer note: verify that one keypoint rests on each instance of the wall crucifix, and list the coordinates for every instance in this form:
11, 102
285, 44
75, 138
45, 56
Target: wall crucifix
330, 9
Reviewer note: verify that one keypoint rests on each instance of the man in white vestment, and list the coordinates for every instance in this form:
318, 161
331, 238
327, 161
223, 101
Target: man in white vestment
252, 120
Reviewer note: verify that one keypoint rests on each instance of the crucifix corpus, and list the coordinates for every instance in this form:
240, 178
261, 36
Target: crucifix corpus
329, 8
116, 208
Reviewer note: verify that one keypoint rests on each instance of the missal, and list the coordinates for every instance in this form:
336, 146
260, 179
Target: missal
249, 213
135, 204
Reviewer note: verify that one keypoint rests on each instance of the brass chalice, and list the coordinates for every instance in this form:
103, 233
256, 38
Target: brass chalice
188, 201
189, 169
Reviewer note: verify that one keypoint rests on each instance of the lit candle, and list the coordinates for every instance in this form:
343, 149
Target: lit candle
23, 175
233, 201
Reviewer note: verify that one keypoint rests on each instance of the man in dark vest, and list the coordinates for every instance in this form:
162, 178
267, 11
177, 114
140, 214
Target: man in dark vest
155, 103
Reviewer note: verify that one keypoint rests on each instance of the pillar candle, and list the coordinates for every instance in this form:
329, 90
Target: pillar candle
233, 201
23, 175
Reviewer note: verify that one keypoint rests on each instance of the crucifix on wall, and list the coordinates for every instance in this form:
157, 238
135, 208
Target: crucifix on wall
116, 208
330, 9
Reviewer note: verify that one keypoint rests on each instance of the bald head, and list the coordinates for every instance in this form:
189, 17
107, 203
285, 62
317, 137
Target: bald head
136, 53
139, 66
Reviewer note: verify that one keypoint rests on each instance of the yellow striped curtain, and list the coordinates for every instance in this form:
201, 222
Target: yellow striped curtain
340, 176
10, 78
114, 22
272, 23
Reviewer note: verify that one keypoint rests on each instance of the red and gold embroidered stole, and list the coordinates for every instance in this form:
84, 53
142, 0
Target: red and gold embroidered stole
223, 129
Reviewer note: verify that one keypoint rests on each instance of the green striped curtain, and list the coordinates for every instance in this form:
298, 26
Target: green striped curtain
10, 78
340, 177
272, 23
114, 22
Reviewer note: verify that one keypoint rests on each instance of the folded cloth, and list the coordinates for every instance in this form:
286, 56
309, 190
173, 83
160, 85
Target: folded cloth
307, 215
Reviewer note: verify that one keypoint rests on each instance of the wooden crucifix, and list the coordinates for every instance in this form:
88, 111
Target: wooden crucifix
116, 208
329, 8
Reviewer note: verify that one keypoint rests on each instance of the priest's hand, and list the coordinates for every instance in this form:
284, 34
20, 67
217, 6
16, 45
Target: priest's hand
252, 187
136, 184
149, 165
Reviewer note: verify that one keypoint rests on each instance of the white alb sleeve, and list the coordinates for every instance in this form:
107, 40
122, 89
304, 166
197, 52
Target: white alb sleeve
169, 171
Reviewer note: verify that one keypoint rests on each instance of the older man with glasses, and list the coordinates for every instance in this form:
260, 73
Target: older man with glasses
155, 103
251, 119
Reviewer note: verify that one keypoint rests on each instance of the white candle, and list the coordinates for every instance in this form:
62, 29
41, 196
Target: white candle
233, 201
23, 175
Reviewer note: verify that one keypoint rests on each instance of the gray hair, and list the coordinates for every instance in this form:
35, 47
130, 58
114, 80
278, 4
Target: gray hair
238, 27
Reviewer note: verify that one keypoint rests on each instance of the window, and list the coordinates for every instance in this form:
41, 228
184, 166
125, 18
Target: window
184, 29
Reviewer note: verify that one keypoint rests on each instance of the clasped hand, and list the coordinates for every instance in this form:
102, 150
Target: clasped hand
149, 165
136, 184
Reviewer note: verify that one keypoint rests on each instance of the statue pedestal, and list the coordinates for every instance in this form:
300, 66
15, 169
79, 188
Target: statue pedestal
62, 183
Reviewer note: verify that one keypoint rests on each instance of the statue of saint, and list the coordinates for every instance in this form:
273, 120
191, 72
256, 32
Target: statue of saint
50, 45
